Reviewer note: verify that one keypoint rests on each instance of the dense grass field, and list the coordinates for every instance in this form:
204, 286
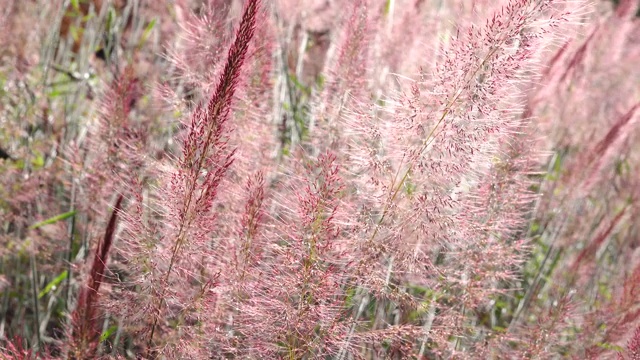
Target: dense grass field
319, 179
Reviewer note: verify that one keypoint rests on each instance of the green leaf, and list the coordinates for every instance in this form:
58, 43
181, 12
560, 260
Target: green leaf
320, 81
76, 32
111, 20
499, 329
37, 162
20, 164
300, 86
53, 219
610, 347
88, 17
75, 4
51, 285
387, 7
105, 335
147, 32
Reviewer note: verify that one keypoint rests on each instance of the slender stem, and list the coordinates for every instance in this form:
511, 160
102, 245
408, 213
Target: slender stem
70, 249
36, 307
